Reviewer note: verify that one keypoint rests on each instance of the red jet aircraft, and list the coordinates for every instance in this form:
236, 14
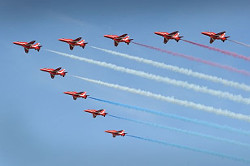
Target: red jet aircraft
54, 72
97, 112
77, 94
72, 42
116, 133
118, 39
213, 36
167, 36
29, 45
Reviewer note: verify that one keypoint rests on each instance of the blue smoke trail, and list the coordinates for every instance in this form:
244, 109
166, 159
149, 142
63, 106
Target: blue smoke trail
183, 131
205, 123
192, 149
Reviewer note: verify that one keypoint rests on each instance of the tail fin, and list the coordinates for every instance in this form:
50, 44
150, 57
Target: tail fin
105, 114
38, 46
128, 40
225, 38
179, 38
64, 73
84, 44
86, 96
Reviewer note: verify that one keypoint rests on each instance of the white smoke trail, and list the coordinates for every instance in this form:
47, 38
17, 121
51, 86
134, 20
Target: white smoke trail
179, 70
247, 45
185, 103
236, 98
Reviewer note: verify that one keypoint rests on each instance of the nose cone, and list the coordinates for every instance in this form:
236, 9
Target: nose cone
157, 33
15, 42
204, 33
62, 39
42, 69
106, 36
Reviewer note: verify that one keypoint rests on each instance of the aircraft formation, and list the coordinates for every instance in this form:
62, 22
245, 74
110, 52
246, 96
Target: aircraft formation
122, 38
117, 39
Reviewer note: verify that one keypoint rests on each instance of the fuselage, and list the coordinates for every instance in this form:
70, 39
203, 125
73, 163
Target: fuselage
116, 133
77, 94
167, 36
54, 71
118, 39
96, 112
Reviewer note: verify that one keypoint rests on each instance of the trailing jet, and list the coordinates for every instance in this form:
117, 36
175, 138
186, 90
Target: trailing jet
213, 36
54, 72
167, 36
29, 45
118, 39
77, 94
74, 42
97, 112
116, 133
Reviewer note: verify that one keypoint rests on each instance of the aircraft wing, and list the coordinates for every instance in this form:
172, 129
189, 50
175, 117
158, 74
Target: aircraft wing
165, 40
99, 110
26, 50
220, 33
173, 33
56, 70
211, 40
79, 93
52, 76
77, 39
71, 47
116, 43
122, 36
30, 43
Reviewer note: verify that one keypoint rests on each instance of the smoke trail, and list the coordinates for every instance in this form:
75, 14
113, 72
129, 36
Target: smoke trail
237, 42
197, 59
192, 149
174, 116
219, 50
172, 100
183, 131
179, 70
236, 98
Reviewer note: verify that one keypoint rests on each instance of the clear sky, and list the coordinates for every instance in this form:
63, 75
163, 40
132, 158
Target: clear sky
39, 125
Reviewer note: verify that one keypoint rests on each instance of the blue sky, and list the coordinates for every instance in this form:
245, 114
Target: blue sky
41, 126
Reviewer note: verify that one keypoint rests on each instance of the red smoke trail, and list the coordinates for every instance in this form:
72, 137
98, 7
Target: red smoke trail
241, 43
219, 50
196, 59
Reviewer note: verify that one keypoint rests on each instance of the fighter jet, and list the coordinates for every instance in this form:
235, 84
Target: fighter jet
54, 72
77, 94
116, 133
216, 36
74, 42
29, 45
118, 39
167, 36
97, 112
